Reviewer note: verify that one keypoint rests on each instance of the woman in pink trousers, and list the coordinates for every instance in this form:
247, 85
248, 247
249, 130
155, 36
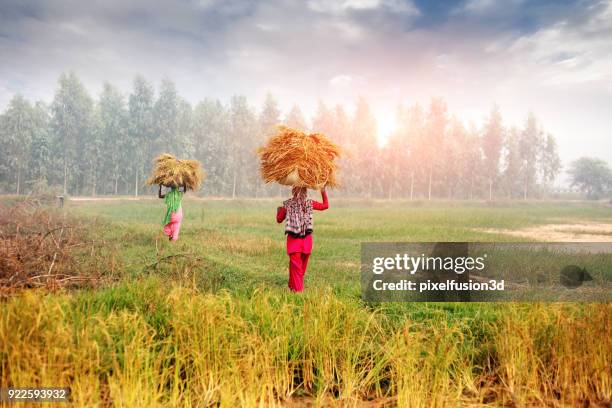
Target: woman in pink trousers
174, 213
298, 212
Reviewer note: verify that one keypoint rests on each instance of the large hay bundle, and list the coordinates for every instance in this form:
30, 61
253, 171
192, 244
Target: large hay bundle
294, 158
172, 172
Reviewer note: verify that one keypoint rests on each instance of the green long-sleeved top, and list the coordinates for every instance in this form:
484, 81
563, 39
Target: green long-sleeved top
173, 201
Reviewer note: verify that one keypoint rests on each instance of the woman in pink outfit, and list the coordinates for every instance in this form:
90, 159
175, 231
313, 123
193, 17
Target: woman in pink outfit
174, 212
298, 212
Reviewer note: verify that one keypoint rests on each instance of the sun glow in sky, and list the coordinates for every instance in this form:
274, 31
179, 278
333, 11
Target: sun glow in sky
386, 122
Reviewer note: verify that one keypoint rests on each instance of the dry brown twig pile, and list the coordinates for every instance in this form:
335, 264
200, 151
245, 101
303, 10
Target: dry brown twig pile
40, 247
292, 157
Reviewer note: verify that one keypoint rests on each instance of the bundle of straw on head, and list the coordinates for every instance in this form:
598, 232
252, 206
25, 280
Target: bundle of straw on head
172, 172
294, 158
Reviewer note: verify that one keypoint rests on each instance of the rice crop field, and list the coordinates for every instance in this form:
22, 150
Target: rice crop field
209, 321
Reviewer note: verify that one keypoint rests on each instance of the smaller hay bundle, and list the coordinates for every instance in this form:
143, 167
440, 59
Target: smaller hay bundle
294, 158
172, 172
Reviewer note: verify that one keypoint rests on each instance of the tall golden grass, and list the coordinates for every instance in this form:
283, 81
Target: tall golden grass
145, 345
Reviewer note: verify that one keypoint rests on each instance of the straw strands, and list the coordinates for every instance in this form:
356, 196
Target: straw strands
172, 172
292, 157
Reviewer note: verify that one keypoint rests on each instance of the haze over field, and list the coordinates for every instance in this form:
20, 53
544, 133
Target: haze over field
552, 57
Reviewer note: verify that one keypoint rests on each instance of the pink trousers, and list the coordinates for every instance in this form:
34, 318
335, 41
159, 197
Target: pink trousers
172, 228
298, 262
299, 250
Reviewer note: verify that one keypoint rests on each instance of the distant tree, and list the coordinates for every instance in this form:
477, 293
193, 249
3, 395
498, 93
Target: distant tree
92, 152
435, 134
341, 134
512, 162
184, 129
269, 117
295, 118
323, 121
243, 141
550, 163
141, 127
454, 168
364, 150
492, 140
592, 176
211, 129
71, 122
473, 160
166, 120
341, 130
114, 133
529, 147
404, 151
395, 156
18, 130
41, 163
419, 148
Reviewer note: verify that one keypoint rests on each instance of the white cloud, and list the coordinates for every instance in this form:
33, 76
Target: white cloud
361, 4
401, 6
267, 27
481, 7
343, 6
340, 6
344, 80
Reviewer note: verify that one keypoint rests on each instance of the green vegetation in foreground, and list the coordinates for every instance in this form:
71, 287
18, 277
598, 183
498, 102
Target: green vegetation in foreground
209, 320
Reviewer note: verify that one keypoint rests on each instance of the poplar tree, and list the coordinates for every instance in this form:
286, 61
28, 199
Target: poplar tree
185, 129
141, 127
512, 162
474, 158
166, 121
18, 130
211, 127
295, 119
71, 122
492, 141
269, 117
454, 158
114, 133
549, 161
42, 166
363, 148
243, 141
323, 121
435, 131
529, 147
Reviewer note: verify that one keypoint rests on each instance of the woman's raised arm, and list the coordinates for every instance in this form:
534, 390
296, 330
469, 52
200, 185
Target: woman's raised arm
321, 206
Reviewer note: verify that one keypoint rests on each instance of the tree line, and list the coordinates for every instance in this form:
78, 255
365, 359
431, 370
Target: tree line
79, 145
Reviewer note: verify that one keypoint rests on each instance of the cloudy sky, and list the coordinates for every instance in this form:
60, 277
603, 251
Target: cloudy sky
551, 57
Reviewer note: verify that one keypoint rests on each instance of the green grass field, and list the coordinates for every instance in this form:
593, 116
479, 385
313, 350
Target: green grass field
209, 320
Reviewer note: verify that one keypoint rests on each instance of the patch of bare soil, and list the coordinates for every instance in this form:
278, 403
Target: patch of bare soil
577, 232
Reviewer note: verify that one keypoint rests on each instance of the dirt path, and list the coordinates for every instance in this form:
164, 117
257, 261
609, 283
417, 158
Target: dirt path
118, 198
577, 232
